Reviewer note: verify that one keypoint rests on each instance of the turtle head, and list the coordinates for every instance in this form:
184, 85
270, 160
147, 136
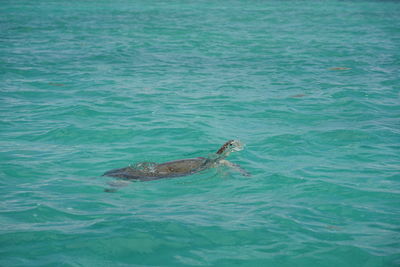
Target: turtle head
230, 146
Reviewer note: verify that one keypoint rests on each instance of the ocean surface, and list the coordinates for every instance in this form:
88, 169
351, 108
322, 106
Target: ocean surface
311, 88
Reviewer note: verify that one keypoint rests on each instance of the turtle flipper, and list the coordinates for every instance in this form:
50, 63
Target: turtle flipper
235, 167
115, 185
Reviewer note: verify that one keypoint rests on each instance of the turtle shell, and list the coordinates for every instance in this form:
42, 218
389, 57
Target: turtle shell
146, 171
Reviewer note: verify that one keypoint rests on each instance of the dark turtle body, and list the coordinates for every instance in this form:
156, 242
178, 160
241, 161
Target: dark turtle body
147, 171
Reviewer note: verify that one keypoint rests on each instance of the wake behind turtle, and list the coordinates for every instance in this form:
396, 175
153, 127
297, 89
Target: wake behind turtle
147, 171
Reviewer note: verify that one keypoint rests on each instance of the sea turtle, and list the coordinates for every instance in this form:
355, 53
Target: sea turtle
147, 171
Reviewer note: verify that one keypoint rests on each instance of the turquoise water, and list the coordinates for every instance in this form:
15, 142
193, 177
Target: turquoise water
311, 88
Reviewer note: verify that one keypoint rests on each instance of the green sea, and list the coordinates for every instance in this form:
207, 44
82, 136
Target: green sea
310, 87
